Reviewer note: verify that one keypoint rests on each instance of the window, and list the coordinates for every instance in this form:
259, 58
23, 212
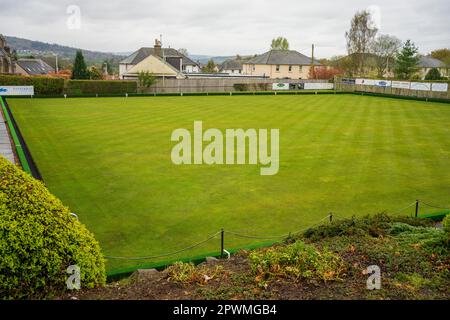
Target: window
290, 68
277, 68
300, 68
254, 68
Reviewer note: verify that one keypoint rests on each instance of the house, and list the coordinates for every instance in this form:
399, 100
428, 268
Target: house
6, 60
154, 65
426, 63
168, 55
231, 66
280, 64
33, 67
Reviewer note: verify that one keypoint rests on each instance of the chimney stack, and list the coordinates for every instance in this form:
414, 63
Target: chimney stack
158, 49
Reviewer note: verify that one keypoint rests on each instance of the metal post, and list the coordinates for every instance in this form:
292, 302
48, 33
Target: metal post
417, 208
221, 243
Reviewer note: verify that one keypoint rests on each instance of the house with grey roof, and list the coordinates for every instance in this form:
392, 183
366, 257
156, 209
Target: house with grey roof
280, 64
426, 63
33, 67
169, 55
231, 66
6, 60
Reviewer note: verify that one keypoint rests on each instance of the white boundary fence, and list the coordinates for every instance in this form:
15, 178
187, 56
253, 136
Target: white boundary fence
435, 90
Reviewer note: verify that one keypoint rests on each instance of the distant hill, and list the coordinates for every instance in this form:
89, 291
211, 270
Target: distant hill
66, 55
203, 59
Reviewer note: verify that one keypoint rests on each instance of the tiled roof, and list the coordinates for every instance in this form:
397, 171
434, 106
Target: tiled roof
282, 57
34, 66
144, 52
429, 62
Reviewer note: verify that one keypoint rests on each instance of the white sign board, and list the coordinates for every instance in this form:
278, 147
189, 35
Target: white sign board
401, 84
440, 87
365, 82
383, 83
424, 86
280, 86
318, 86
16, 90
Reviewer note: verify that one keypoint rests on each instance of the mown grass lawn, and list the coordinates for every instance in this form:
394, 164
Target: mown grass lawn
108, 159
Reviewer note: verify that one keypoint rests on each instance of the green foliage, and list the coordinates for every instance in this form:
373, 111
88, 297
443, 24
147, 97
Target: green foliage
146, 79
79, 70
406, 61
442, 54
42, 85
39, 239
299, 260
79, 87
279, 43
240, 86
95, 74
210, 67
433, 74
187, 272
446, 224
372, 225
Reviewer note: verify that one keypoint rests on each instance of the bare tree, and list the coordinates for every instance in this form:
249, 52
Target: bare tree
183, 51
359, 38
385, 48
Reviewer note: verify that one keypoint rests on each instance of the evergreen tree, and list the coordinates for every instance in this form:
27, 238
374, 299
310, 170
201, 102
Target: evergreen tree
79, 70
433, 74
406, 61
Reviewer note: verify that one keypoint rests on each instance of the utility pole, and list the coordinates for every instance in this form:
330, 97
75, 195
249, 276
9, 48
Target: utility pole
313, 73
56, 58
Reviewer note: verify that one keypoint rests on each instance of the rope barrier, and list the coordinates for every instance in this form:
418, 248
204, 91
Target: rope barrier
402, 209
166, 254
434, 206
247, 236
240, 235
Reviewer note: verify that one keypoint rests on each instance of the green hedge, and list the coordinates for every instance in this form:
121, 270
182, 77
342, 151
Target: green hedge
42, 85
39, 239
79, 87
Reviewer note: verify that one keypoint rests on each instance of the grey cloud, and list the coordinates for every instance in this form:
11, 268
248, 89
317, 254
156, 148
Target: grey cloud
221, 27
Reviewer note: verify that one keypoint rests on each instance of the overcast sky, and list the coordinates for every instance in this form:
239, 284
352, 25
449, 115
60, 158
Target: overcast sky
224, 27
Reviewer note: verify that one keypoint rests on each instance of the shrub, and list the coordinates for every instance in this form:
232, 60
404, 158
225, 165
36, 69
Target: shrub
433, 74
375, 226
297, 260
240, 86
39, 239
42, 85
446, 224
79, 87
186, 272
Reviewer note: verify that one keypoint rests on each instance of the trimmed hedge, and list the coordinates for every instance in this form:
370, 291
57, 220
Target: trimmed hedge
80, 87
42, 84
39, 239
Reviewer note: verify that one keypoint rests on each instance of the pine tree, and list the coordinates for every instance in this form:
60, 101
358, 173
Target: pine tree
406, 61
79, 70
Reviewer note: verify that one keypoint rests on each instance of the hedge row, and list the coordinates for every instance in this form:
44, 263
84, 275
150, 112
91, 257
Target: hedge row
40, 239
42, 85
80, 87
56, 86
